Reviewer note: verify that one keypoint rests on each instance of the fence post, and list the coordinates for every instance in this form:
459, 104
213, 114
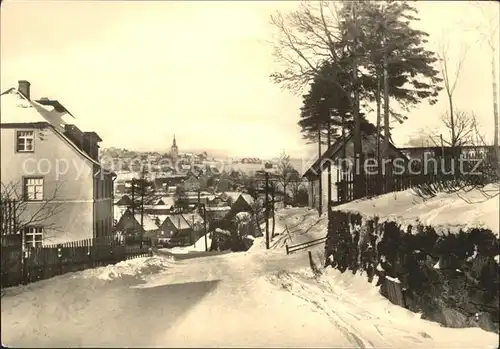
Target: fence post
25, 270
59, 257
286, 247
311, 262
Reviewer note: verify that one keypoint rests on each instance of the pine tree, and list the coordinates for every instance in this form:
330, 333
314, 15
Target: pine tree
141, 191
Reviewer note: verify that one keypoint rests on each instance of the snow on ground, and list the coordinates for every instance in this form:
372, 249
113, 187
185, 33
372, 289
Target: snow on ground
198, 246
361, 313
454, 211
293, 226
62, 310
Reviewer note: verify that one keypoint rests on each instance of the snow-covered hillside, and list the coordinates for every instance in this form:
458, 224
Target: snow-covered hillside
445, 211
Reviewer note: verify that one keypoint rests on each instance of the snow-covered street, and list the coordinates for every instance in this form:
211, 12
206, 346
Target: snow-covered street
256, 298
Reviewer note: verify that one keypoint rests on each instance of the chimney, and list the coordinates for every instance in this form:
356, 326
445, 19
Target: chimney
24, 88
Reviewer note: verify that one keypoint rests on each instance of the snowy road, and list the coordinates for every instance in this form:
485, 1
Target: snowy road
210, 301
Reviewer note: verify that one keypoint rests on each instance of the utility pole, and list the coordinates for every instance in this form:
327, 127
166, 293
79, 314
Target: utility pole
267, 210
199, 200
320, 186
329, 143
272, 205
194, 232
142, 205
205, 226
133, 196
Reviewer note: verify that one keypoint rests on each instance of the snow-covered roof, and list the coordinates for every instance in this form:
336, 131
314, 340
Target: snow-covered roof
167, 200
118, 212
193, 217
158, 207
148, 223
16, 108
179, 222
234, 195
243, 216
161, 217
248, 198
218, 208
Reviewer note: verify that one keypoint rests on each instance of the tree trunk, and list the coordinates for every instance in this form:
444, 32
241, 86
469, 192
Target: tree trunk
358, 175
452, 125
284, 193
386, 107
387, 131
329, 144
142, 211
495, 103
320, 187
379, 119
272, 205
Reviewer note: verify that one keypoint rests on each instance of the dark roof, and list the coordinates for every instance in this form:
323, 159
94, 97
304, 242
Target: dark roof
92, 133
54, 103
332, 151
41, 124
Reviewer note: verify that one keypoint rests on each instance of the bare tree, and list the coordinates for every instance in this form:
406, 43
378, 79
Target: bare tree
19, 213
286, 173
488, 32
484, 177
450, 79
460, 128
257, 213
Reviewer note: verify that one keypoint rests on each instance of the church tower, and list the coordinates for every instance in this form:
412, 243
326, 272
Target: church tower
174, 151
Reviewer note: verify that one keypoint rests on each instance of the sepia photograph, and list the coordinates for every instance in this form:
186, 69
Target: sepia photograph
285, 174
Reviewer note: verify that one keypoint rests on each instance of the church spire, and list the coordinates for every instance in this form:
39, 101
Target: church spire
174, 144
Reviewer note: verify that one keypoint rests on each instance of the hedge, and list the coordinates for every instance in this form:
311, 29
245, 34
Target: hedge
451, 278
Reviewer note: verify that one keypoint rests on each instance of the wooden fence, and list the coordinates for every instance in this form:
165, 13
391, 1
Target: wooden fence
438, 170
304, 245
7, 216
38, 263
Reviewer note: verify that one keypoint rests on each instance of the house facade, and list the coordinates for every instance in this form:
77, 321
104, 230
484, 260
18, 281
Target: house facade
52, 170
176, 228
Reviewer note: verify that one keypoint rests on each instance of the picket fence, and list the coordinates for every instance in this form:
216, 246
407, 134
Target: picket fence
39, 263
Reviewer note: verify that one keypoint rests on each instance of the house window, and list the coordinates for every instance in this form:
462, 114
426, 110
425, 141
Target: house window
33, 189
25, 141
33, 236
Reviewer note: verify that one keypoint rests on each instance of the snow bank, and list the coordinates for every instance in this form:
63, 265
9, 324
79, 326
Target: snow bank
136, 267
361, 312
445, 211
198, 246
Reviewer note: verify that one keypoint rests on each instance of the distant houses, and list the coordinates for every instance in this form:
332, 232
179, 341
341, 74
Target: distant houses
177, 229
178, 215
130, 224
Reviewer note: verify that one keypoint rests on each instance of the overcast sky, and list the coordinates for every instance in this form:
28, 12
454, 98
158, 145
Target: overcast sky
138, 72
